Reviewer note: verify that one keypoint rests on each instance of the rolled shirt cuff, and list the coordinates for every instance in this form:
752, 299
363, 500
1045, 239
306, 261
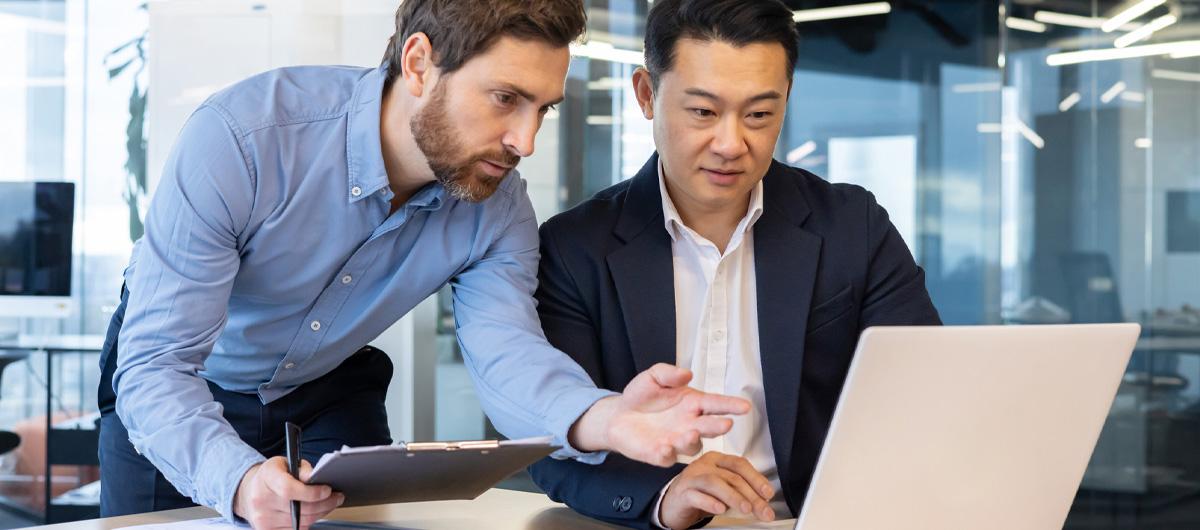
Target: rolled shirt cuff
569, 409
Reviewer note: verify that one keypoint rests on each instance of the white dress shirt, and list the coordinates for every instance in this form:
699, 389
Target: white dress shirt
716, 332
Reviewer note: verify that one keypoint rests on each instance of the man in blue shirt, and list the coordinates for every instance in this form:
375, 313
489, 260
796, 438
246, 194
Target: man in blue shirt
302, 212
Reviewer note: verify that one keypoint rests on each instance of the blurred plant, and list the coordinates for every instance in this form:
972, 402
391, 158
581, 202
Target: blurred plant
131, 56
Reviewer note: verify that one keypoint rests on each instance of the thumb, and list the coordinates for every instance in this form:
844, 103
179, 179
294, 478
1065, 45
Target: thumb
669, 376
306, 470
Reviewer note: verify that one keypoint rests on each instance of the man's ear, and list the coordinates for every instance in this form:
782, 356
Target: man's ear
416, 65
643, 89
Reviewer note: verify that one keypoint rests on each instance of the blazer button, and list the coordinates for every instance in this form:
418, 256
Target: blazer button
622, 504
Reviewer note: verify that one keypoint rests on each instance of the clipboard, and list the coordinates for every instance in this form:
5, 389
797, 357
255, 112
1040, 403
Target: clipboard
425, 471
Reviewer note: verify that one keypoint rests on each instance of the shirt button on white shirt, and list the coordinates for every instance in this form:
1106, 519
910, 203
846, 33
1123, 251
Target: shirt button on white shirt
347, 279
316, 325
718, 334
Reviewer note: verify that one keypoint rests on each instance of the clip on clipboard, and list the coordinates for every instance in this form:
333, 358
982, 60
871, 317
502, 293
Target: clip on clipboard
425, 471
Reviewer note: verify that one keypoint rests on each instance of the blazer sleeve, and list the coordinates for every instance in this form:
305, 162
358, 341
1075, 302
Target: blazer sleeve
895, 292
619, 490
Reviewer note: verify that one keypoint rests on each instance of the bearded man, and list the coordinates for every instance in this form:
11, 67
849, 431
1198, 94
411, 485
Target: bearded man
302, 212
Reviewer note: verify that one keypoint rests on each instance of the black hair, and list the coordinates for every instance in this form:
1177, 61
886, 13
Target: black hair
737, 22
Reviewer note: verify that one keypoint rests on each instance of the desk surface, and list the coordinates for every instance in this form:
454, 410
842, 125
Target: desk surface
495, 510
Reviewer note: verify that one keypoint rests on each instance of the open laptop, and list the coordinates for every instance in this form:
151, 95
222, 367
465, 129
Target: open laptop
986, 427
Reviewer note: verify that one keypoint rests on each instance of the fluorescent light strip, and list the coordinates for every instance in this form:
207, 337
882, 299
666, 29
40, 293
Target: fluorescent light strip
1175, 75
1029, 134
850, 11
1112, 92
1076, 21
1108, 54
1185, 54
1135, 97
1069, 102
1024, 25
966, 88
606, 52
1145, 31
1128, 15
798, 154
1142, 143
989, 128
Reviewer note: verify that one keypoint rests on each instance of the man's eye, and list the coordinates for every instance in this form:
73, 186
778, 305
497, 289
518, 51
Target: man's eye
505, 99
703, 113
760, 115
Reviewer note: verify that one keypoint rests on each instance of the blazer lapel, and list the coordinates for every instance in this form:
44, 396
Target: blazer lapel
643, 271
785, 263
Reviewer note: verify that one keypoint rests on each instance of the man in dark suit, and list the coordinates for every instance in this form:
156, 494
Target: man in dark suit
757, 276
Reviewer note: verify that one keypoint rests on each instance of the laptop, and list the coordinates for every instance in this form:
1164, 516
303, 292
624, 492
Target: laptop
987, 427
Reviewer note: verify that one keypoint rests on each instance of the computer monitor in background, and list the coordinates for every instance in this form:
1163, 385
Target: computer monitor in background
36, 221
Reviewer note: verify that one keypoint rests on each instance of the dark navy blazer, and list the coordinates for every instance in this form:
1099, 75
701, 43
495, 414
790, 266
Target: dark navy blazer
828, 264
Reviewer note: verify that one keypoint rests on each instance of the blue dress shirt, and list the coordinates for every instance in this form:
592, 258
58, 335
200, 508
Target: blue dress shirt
270, 257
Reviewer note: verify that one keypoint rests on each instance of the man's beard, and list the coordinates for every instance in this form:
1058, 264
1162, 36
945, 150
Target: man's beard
439, 143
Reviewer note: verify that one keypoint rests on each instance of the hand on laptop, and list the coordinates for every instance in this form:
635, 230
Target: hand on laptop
713, 484
657, 418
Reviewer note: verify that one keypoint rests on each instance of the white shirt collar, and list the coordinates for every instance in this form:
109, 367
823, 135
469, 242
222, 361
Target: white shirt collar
674, 223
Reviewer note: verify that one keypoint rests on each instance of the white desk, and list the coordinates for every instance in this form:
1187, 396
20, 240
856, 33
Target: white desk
494, 510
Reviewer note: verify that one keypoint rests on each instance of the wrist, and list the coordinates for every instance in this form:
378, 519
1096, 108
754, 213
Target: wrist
239, 497
590, 432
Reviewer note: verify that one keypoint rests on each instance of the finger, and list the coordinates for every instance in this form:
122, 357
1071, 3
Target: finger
306, 470
703, 502
669, 376
712, 426
715, 485
321, 508
281, 483
758, 507
746, 471
716, 404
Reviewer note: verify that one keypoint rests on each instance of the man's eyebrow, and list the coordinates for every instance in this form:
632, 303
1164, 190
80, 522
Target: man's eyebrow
699, 92
526, 95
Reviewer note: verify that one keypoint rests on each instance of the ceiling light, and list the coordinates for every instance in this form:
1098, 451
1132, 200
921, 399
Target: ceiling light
850, 11
1069, 102
1024, 24
1175, 75
798, 154
1128, 15
1076, 21
1112, 92
607, 52
1108, 54
1145, 31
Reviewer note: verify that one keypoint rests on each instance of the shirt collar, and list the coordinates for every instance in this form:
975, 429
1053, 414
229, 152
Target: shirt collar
364, 152
674, 223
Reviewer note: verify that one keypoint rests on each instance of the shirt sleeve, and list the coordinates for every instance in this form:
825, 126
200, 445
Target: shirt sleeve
526, 386
179, 286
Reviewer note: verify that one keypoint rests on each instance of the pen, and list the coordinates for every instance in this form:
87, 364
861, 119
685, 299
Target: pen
292, 441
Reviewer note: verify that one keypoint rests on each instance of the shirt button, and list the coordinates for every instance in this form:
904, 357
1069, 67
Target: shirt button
289, 366
316, 325
347, 279
719, 334
356, 191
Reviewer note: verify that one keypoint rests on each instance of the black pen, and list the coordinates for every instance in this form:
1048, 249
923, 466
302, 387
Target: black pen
292, 441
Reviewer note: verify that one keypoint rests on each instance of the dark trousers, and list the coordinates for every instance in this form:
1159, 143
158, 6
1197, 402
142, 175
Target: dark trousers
343, 407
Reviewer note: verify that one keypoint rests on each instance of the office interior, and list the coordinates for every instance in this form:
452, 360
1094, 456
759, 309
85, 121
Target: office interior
1041, 158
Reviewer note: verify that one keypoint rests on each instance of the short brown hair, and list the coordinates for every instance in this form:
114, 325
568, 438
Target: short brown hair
461, 29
